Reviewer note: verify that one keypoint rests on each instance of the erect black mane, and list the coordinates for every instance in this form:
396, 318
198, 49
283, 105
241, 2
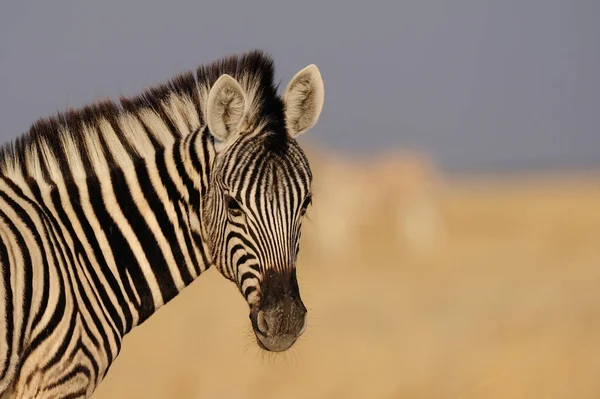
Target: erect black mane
254, 66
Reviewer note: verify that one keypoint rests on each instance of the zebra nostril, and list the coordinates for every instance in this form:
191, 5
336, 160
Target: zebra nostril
261, 323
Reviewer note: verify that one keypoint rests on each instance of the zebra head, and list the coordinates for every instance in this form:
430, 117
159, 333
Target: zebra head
258, 195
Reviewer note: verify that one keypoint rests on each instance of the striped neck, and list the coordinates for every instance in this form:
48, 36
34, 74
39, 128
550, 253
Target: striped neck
162, 201
136, 228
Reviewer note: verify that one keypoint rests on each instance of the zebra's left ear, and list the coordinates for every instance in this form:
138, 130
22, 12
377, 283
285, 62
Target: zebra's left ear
225, 109
304, 97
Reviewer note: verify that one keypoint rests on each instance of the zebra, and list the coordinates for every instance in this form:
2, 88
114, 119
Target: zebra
108, 211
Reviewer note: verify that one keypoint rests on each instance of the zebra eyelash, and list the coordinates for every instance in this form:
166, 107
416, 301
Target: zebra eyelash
233, 206
307, 202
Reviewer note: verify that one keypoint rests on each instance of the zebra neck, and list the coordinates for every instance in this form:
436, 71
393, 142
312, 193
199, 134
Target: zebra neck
140, 227
131, 235
161, 200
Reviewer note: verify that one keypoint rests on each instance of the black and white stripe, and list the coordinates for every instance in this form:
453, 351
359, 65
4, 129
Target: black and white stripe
109, 211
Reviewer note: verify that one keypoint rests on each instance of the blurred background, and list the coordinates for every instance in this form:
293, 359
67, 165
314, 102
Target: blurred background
452, 249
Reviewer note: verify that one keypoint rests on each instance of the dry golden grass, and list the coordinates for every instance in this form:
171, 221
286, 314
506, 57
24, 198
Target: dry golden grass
507, 307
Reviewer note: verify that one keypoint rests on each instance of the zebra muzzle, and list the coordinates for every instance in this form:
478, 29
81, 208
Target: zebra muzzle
277, 327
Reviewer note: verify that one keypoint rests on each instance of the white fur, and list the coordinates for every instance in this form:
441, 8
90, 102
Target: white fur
72, 154
51, 163
182, 113
225, 108
304, 98
156, 126
95, 152
33, 165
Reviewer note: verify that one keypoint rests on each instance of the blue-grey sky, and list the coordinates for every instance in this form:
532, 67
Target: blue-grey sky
476, 83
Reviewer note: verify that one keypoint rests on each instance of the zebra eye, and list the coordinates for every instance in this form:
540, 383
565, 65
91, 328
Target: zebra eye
233, 206
306, 204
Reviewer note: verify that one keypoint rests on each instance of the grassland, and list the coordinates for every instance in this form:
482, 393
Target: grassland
506, 306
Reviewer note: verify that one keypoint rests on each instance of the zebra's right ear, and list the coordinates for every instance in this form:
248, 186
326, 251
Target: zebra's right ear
225, 109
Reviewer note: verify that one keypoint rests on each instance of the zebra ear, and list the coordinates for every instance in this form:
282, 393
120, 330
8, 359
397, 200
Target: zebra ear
304, 97
225, 108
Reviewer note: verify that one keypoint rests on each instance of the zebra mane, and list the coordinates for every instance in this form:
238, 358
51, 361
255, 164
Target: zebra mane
100, 135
